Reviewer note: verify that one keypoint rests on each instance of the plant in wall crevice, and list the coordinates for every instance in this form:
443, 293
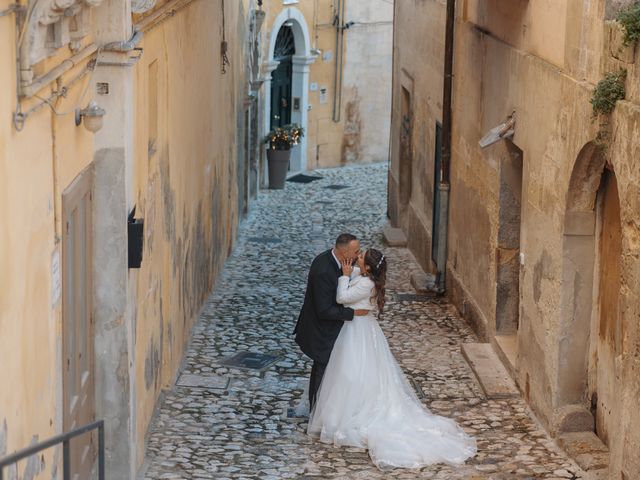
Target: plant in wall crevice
629, 20
607, 92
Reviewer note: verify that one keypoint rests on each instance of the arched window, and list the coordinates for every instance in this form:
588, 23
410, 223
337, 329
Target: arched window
285, 44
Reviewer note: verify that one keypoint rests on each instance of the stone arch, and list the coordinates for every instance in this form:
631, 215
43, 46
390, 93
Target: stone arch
577, 275
578, 331
300, 78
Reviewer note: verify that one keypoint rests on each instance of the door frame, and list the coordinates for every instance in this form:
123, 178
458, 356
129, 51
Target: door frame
299, 81
79, 407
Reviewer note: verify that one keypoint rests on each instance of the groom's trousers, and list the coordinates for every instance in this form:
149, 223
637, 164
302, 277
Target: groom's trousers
317, 372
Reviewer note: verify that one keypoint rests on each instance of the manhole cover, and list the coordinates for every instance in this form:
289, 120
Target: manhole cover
265, 240
337, 187
412, 297
301, 178
250, 360
199, 381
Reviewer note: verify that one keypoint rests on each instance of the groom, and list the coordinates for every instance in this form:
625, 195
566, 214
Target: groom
321, 318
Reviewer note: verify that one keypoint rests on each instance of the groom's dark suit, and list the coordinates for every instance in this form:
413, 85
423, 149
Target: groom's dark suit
321, 318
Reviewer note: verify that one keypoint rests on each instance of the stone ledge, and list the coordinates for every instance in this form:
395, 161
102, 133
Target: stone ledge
394, 237
489, 370
572, 419
586, 449
506, 347
424, 283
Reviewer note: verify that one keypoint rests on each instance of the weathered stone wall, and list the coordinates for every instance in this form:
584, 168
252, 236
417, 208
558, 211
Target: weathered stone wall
416, 109
542, 61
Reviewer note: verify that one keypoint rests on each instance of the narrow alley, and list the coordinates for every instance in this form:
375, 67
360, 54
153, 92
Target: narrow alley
230, 423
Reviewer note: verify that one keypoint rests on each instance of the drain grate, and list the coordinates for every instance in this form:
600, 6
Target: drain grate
325, 202
336, 187
265, 240
198, 381
302, 178
250, 361
412, 297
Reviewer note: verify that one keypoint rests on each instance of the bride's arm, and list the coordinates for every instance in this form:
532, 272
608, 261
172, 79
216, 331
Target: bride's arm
351, 293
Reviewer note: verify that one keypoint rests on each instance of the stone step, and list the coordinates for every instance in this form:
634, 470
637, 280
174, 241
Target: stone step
424, 283
506, 346
394, 237
586, 449
489, 370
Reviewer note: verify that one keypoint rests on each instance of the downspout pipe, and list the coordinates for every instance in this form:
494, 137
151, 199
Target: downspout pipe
444, 185
124, 46
337, 81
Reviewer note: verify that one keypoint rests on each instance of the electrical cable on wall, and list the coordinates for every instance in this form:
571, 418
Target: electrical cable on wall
224, 46
20, 117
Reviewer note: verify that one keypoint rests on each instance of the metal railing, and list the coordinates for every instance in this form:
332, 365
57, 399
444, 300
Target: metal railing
65, 439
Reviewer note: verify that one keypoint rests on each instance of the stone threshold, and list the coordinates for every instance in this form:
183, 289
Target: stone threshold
489, 370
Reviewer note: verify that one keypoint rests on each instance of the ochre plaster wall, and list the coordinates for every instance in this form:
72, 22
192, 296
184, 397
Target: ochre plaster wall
186, 189
186, 192
360, 133
36, 165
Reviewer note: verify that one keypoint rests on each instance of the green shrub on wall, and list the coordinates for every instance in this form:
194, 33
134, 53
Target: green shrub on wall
608, 91
629, 19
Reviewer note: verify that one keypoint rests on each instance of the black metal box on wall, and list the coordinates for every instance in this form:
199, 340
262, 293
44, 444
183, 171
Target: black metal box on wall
135, 234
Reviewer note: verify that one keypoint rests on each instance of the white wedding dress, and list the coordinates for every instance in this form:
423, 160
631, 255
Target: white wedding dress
366, 401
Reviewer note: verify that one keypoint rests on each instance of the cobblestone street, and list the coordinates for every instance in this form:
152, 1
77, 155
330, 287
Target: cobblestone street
232, 423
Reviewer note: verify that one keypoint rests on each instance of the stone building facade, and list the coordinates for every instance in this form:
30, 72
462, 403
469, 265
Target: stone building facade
326, 65
86, 332
543, 233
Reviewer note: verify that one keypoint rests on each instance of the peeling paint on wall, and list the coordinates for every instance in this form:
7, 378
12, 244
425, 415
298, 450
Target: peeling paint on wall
352, 139
151, 366
3, 438
35, 463
541, 270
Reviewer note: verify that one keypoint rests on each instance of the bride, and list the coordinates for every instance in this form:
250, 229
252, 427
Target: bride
365, 400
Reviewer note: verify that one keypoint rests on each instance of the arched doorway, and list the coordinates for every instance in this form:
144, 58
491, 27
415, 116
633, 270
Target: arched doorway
591, 331
281, 78
289, 58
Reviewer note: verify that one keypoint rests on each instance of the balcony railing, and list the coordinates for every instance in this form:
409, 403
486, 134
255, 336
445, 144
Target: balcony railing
65, 439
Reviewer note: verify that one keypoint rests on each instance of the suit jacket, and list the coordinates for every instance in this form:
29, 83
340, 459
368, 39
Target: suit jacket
321, 317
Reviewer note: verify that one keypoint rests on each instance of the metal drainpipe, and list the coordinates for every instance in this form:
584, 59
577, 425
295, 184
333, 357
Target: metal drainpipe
337, 82
445, 166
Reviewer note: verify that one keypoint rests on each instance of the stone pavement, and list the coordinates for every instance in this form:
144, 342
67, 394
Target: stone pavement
236, 427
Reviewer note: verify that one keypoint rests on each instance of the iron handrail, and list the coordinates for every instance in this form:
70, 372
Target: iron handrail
65, 439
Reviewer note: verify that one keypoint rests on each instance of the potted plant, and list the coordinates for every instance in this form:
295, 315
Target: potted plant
281, 140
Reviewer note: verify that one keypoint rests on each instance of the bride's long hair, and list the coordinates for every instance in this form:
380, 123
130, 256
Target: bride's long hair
377, 264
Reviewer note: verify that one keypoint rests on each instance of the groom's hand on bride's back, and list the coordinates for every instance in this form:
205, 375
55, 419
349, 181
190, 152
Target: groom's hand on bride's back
360, 313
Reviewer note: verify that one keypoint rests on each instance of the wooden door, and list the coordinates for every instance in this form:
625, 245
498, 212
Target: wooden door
610, 333
77, 330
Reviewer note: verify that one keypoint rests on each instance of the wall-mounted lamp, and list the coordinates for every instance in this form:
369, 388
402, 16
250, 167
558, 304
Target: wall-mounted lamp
92, 116
505, 130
